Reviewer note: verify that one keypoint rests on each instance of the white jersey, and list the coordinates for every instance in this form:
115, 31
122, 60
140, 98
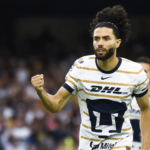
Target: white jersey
135, 111
135, 121
105, 99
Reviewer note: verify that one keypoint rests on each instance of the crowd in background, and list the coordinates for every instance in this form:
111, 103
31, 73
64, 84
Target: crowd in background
24, 123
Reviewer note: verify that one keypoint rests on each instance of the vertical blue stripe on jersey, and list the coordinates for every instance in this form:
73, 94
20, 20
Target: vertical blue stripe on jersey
67, 87
136, 128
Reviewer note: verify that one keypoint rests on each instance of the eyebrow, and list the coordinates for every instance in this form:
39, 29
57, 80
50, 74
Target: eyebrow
102, 36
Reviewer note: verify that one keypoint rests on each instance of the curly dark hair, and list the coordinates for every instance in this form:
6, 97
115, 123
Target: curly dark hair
116, 16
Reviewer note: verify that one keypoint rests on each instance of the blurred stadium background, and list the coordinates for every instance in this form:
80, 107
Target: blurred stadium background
47, 37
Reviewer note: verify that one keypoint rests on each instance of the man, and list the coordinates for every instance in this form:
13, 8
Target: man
135, 112
105, 85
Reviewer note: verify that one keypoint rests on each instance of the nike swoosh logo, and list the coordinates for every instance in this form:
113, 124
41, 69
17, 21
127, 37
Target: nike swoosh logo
104, 78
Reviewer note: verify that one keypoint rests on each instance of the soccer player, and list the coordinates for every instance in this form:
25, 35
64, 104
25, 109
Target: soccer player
105, 84
135, 112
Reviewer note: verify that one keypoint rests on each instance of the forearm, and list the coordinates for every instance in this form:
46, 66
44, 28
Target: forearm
48, 101
145, 128
53, 103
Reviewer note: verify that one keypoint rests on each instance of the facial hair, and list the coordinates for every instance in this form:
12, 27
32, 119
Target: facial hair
109, 53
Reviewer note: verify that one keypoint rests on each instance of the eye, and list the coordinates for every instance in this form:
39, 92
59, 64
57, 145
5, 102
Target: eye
107, 38
96, 38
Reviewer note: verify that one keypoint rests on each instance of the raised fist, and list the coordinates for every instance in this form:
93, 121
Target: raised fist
38, 82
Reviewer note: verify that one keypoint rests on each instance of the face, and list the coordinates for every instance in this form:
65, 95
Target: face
146, 67
105, 43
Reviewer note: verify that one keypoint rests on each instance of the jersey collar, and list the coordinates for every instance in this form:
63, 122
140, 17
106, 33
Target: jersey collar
111, 71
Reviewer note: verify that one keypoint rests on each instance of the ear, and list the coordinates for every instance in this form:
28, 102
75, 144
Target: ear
118, 42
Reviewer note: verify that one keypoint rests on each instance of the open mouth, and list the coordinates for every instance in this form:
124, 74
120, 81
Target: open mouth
100, 51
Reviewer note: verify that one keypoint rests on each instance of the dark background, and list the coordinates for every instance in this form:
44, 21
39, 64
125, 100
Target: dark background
12, 11
23, 8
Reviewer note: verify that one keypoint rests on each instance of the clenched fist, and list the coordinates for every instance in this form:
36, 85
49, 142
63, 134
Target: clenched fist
38, 82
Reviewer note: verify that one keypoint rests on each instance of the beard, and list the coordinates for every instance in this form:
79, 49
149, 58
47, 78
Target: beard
109, 53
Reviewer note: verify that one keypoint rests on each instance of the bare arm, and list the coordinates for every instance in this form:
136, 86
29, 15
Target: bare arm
143, 103
53, 103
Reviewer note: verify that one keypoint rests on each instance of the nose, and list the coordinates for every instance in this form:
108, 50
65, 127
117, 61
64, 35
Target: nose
100, 43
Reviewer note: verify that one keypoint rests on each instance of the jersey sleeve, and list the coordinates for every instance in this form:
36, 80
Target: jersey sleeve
71, 78
142, 85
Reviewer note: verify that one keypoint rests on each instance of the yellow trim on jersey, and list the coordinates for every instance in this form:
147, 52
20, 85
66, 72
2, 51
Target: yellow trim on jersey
86, 113
114, 138
90, 127
96, 140
127, 105
115, 147
99, 95
110, 83
91, 57
83, 100
120, 71
86, 126
72, 77
122, 59
79, 91
85, 68
126, 129
121, 147
134, 116
126, 117
71, 82
129, 72
142, 82
89, 115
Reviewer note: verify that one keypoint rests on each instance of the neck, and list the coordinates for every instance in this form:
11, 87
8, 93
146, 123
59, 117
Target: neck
108, 64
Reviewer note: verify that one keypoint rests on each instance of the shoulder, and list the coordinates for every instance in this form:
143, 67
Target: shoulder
131, 66
85, 61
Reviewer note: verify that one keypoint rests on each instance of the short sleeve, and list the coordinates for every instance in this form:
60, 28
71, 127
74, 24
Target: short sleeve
142, 84
71, 78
